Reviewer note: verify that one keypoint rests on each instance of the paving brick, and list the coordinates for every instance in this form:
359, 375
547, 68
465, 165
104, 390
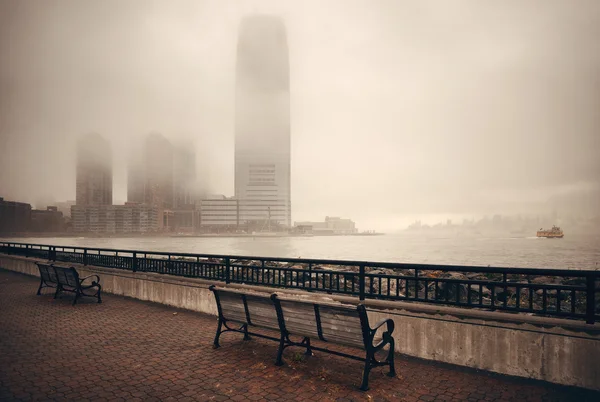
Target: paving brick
125, 349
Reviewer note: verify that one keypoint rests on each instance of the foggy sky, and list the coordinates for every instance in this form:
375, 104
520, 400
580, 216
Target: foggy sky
398, 108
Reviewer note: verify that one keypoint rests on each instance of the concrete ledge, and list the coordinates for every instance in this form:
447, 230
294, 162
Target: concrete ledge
556, 350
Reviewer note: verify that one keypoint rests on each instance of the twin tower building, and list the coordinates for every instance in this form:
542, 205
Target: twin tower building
160, 184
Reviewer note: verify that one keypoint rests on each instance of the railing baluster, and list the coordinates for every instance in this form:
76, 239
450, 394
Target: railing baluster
416, 283
505, 291
361, 283
530, 298
458, 292
469, 293
590, 297
446, 291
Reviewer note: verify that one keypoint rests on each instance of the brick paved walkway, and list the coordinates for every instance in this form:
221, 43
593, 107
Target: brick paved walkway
129, 350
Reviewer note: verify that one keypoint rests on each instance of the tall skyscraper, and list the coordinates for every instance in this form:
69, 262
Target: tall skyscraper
94, 171
150, 176
262, 121
184, 176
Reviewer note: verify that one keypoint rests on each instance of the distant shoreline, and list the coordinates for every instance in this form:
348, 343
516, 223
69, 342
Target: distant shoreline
171, 235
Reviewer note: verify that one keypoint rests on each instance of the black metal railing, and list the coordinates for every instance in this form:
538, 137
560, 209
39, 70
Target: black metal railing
551, 292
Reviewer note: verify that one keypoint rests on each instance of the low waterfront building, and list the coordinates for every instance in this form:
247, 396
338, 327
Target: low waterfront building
219, 213
128, 218
15, 217
47, 220
263, 214
65, 207
331, 225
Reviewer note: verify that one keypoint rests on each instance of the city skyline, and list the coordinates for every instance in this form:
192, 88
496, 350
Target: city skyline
399, 109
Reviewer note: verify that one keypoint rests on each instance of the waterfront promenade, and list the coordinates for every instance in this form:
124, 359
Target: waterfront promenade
125, 349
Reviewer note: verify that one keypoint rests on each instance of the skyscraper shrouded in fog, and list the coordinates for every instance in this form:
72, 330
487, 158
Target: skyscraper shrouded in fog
150, 176
93, 171
262, 121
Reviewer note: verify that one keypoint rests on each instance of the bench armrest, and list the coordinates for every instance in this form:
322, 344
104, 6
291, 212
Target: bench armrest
390, 326
89, 276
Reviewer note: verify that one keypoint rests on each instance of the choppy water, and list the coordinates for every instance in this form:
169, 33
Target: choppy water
573, 252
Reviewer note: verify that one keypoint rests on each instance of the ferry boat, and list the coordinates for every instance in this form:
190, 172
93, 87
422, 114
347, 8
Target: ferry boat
555, 232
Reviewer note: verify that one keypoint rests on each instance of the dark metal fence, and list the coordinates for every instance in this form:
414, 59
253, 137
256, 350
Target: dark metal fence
550, 292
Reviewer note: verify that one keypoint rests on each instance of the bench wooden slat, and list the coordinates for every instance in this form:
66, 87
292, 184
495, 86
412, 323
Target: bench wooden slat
262, 315
328, 327
301, 327
260, 309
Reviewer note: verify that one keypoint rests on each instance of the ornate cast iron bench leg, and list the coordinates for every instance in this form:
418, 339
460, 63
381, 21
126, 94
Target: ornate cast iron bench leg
77, 294
279, 361
308, 348
40, 288
371, 349
218, 334
390, 358
364, 386
246, 336
58, 289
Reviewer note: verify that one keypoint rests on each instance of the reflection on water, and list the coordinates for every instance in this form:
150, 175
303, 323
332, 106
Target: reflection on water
581, 252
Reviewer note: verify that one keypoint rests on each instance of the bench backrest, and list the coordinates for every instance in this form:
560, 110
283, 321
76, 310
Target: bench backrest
337, 324
251, 309
67, 276
47, 273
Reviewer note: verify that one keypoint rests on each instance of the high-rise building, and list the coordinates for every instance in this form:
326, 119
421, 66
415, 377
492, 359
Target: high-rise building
158, 167
94, 171
184, 177
262, 122
136, 175
150, 175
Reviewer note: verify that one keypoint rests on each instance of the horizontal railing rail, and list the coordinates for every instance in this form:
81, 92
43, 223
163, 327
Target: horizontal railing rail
545, 291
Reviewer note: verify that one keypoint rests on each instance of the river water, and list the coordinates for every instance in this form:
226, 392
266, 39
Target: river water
572, 252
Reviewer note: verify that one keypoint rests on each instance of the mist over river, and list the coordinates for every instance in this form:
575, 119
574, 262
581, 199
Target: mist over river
573, 252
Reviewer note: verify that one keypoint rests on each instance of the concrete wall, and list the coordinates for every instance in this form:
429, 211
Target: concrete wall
554, 350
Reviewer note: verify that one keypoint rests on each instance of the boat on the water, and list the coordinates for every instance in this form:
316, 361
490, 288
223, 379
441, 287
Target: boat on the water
554, 233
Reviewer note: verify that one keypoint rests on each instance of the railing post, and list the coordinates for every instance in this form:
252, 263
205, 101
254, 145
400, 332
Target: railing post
85, 257
361, 282
52, 253
227, 270
591, 299
134, 262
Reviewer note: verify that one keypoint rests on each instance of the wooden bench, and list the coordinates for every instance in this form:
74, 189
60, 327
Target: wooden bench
328, 322
47, 277
239, 311
67, 280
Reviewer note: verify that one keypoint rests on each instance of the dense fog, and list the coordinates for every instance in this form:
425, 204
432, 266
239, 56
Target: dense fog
400, 110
